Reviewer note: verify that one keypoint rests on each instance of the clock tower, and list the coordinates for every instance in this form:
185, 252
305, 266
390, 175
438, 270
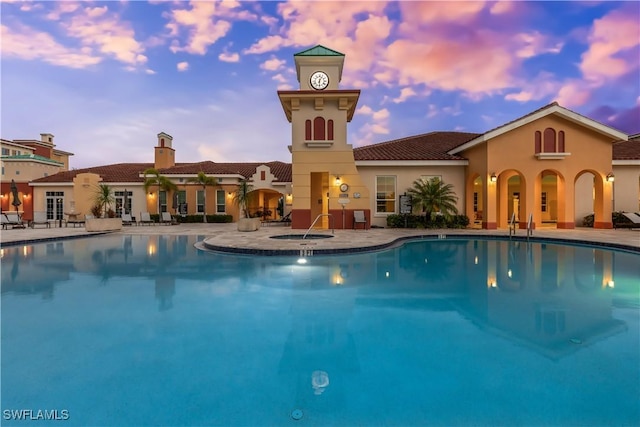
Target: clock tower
326, 183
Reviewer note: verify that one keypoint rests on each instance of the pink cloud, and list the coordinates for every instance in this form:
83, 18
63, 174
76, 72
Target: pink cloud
229, 57
573, 93
452, 64
613, 50
182, 66
273, 64
405, 93
26, 43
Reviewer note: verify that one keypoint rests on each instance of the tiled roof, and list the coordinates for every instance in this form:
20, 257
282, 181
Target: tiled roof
428, 146
121, 172
319, 50
282, 171
130, 172
627, 150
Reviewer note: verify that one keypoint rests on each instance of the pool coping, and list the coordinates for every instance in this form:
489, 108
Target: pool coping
306, 252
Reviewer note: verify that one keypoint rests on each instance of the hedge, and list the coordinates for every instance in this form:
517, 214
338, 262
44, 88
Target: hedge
196, 218
421, 221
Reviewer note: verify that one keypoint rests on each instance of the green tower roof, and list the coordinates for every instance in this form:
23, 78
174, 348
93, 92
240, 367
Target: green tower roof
319, 50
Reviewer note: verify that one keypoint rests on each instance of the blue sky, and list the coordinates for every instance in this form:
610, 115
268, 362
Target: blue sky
106, 77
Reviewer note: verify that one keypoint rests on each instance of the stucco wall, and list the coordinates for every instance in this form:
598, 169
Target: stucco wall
626, 188
405, 176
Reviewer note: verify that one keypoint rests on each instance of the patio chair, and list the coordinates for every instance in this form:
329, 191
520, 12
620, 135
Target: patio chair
127, 220
11, 219
39, 218
165, 218
634, 217
359, 218
145, 218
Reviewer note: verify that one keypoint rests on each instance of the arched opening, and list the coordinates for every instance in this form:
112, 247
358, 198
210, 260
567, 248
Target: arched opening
550, 199
511, 198
474, 200
593, 196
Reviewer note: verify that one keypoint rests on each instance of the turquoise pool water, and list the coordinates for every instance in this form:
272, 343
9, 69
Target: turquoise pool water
148, 330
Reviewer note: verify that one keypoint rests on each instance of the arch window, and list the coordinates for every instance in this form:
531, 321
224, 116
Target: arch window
318, 130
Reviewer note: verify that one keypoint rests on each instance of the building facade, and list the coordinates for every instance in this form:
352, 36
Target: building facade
551, 167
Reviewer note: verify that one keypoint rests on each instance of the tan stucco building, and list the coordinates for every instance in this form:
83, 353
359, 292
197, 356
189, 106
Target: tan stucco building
552, 166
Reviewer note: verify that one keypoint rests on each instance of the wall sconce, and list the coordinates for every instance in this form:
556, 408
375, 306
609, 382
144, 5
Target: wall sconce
494, 178
610, 177
229, 194
337, 179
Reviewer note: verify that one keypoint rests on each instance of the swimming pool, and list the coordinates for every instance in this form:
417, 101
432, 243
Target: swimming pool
148, 330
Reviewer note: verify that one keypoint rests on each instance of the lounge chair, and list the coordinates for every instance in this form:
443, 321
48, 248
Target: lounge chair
631, 216
165, 218
145, 218
127, 219
11, 219
39, 218
359, 218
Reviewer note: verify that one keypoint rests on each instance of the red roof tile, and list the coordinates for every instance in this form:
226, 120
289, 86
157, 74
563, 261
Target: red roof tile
428, 146
627, 150
120, 172
130, 172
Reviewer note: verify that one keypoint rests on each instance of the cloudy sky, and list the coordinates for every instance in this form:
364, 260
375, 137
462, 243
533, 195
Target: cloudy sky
106, 77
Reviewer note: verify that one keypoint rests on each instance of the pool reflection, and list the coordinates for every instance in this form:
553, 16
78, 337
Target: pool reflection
541, 295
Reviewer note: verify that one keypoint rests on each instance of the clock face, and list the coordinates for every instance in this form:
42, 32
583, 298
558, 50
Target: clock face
319, 80
344, 188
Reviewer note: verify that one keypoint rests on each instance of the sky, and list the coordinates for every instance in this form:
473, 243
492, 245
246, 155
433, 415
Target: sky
106, 77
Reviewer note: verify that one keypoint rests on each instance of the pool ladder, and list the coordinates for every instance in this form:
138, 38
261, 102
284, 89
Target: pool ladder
512, 225
333, 230
530, 226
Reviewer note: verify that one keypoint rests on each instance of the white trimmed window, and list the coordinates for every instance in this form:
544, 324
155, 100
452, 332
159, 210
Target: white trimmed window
385, 194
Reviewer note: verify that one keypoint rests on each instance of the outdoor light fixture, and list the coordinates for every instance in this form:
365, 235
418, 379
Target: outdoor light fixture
610, 177
494, 178
337, 179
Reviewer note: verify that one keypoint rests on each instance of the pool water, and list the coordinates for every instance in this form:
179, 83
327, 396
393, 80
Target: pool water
148, 330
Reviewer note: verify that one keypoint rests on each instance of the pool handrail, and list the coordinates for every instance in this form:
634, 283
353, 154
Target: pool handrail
512, 224
333, 230
530, 226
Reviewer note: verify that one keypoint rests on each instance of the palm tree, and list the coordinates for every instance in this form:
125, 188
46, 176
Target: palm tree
433, 196
104, 198
243, 196
153, 178
205, 181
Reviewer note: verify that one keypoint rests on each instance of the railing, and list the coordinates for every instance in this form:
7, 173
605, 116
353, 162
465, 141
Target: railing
530, 226
512, 225
333, 231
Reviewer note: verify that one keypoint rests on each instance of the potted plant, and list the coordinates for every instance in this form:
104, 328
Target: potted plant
104, 217
241, 198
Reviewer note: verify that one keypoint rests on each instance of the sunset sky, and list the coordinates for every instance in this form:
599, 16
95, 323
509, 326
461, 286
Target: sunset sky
106, 77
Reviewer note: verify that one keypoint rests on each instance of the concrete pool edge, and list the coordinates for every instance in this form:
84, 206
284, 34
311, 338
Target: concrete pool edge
208, 245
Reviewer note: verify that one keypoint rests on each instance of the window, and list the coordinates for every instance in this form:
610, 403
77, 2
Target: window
5, 151
181, 198
543, 201
318, 130
54, 203
220, 203
385, 194
17, 172
549, 143
162, 201
475, 202
200, 201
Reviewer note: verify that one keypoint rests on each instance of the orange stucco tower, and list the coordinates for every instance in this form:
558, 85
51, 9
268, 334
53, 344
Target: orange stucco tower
326, 183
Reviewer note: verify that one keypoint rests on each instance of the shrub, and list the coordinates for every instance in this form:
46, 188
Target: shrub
96, 211
189, 219
419, 221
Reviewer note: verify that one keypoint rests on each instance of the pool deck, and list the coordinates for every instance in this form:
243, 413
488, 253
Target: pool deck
226, 237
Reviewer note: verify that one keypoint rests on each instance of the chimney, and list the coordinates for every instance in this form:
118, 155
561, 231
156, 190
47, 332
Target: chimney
164, 154
46, 138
